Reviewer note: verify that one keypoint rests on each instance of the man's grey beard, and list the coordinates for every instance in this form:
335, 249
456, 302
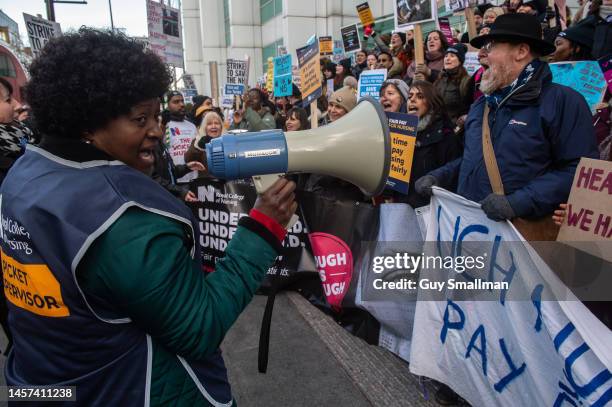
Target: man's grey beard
494, 79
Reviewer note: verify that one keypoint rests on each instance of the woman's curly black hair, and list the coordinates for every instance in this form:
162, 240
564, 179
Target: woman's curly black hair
83, 80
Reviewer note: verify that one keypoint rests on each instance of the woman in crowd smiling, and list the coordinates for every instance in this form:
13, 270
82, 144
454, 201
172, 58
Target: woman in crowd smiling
436, 45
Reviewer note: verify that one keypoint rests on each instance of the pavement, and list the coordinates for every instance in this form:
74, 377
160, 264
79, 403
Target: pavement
312, 362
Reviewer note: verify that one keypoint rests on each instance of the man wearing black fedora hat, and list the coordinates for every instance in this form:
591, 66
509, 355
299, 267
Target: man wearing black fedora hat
525, 136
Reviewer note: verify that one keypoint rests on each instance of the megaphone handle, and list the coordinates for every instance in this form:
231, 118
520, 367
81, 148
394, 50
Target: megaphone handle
263, 182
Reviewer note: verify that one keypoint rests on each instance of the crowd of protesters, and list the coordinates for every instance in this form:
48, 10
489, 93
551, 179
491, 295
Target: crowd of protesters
538, 131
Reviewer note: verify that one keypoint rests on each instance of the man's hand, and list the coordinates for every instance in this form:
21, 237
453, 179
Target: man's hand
190, 197
278, 201
559, 214
497, 207
196, 166
423, 185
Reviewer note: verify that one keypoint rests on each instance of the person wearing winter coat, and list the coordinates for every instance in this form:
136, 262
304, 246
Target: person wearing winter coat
124, 311
257, 113
361, 63
436, 142
539, 129
393, 65
435, 48
455, 85
396, 47
600, 16
14, 135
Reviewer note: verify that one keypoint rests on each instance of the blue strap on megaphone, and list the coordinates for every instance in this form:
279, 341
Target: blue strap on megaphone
236, 156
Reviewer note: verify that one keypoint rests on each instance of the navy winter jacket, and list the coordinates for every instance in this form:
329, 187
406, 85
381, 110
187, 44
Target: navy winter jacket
539, 132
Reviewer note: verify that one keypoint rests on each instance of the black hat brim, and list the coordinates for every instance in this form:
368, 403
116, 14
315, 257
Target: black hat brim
541, 46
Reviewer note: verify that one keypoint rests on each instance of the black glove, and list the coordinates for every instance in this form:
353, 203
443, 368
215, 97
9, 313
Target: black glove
497, 207
423, 185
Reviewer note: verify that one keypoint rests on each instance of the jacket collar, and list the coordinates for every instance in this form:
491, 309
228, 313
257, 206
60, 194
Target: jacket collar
73, 149
529, 93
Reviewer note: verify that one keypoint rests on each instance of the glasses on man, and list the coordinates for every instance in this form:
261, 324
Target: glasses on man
383, 60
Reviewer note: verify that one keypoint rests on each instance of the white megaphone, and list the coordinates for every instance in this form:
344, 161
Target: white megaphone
355, 148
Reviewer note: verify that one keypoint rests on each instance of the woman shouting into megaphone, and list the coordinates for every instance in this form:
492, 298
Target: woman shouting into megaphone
106, 291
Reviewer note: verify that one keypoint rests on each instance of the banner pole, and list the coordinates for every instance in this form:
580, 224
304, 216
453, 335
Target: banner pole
419, 54
471, 23
314, 119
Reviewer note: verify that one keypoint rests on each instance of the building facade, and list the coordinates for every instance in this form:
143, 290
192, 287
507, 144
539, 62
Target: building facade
215, 30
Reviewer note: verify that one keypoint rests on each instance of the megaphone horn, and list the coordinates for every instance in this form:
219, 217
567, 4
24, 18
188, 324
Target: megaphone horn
355, 148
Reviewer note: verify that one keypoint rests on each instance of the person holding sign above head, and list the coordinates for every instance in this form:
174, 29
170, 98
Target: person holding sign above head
396, 48
257, 113
120, 306
529, 131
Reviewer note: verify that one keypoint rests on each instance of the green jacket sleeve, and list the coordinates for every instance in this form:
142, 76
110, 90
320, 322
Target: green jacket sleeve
142, 265
257, 122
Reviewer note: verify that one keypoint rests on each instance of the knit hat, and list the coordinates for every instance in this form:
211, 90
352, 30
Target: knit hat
402, 35
399, 84
344, 97
581, 34
346, 64
459, 50
331, 67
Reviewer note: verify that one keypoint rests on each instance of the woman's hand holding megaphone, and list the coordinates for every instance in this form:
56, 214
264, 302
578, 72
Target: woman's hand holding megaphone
278, 201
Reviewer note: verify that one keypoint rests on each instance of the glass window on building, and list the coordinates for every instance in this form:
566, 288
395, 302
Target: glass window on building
268, 9
269, 51
6, 66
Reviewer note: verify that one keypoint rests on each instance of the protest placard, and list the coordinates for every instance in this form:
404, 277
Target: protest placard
402, 130
585, 77
220, 207
471, 63
523, 348
164, 26
310, 72
410, 12
339, 54
40, 31
188, 94
282, 76
365, 14
458, 5
270, 75
350, 38
605, 63
237, 71
370, 83
588, 216
445, 27
233, 89
326, 46
329, 88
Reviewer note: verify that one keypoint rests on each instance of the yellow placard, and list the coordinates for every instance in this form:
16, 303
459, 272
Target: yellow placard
326, 46
270, 75
365, 14
310, 77
32, 287
402, 153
